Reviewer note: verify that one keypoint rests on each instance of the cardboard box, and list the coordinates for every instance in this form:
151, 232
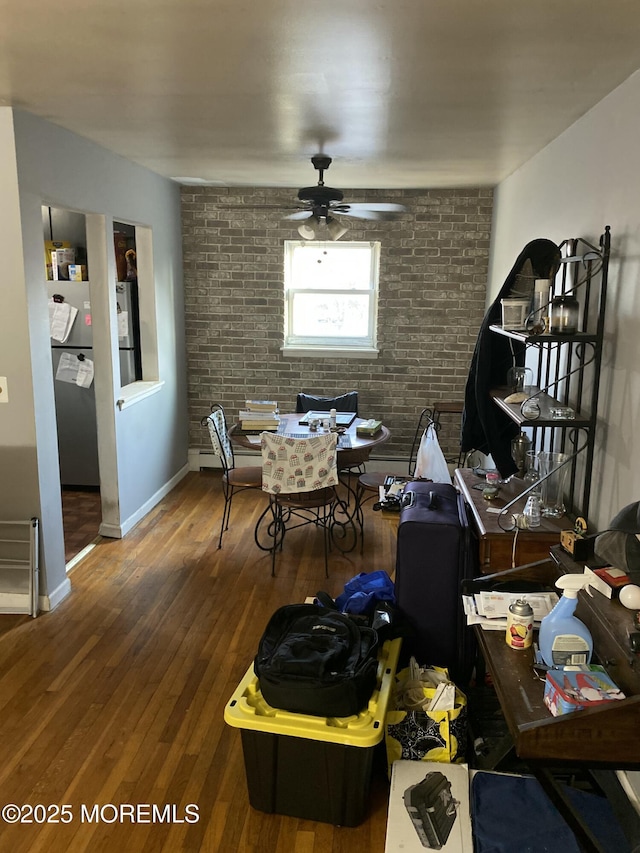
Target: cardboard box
60, 261
370, 427
49, 247
77, 272
429, 808
575, 688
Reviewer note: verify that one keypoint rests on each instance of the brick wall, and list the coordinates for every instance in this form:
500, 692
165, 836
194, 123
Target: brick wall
433, 274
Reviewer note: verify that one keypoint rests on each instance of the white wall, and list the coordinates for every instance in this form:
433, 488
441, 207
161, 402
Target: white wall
18, 462
58, 168
587, 178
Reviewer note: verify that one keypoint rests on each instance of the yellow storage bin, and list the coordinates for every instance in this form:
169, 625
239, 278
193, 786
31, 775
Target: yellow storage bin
314, 768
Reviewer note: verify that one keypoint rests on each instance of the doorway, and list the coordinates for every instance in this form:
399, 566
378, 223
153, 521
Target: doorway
71, 330
81, 517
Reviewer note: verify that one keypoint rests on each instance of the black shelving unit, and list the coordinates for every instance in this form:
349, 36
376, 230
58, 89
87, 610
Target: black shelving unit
566, 369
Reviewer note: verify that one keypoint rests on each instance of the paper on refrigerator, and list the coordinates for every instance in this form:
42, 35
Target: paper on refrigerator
75, 371
61, 318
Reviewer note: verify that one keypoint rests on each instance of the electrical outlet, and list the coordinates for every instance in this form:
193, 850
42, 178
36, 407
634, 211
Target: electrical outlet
4, 393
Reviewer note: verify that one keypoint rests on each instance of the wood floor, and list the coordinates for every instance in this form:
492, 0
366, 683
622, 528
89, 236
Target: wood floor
117, 696
81, 517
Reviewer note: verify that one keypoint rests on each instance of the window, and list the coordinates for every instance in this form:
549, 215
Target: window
331, 297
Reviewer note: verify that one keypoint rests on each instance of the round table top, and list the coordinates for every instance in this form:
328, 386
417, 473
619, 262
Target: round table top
362, 443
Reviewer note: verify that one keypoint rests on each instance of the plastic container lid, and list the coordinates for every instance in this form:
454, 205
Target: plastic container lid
248, 710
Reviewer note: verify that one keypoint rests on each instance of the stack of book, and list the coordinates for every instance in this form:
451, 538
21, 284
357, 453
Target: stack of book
259, 415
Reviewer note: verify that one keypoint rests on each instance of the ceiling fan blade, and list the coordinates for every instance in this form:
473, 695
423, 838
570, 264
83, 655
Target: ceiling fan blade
300, 214
222, 206
364, 213
379, 207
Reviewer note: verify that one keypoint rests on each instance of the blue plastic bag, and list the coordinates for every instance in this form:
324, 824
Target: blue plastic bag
364, 591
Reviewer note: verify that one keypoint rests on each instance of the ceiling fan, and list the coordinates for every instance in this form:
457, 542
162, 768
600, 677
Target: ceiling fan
320, 204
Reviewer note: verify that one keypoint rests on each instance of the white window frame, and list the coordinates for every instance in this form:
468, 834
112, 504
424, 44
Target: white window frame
357, 347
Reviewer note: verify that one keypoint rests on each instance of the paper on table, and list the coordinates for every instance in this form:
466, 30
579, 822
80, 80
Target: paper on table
473, 618
496, 604
474, 615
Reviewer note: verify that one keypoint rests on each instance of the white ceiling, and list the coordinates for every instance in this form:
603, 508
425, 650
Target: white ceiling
401, 93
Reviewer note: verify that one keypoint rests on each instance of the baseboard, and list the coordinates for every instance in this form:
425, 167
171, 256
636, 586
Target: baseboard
198, 459
117, 531
53, 599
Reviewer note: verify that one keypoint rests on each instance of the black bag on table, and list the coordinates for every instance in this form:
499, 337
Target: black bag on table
312, 660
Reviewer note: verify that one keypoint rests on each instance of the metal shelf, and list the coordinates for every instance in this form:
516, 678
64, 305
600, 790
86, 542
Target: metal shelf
568, 368
526, 338
19, 566
545, 404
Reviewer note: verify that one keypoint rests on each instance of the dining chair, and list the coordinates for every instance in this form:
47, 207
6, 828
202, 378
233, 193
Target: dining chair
300, 476
233, 479
369, 484
342, 403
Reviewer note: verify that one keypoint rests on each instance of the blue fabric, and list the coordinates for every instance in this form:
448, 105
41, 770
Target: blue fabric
363, 591
512, 814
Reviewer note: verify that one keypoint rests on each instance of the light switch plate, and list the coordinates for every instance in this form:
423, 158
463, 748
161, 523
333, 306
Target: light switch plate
4, 393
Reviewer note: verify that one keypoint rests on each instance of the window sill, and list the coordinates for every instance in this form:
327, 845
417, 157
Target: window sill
136, 391
328, 352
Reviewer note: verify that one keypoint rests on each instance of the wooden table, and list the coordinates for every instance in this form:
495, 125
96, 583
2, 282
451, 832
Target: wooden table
496, 544
358, 453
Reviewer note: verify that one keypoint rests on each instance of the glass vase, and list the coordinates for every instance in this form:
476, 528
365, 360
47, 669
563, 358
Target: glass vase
553, 467
532, 473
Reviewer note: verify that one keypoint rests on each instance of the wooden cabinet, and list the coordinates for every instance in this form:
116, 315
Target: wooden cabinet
500, 548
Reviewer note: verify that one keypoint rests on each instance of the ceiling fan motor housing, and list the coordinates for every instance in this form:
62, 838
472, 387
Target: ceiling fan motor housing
320, 194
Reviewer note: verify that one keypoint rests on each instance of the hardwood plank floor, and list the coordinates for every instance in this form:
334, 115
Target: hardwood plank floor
117, 696
81, 517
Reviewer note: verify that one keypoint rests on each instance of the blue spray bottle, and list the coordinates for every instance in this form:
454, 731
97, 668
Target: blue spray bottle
564, 640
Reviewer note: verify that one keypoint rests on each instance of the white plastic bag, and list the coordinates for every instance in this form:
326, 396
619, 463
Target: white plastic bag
430, 461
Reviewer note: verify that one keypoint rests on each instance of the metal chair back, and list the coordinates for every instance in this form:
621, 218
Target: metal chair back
217, 425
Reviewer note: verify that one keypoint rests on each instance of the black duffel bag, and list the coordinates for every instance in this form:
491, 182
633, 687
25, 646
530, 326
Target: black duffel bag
312, 660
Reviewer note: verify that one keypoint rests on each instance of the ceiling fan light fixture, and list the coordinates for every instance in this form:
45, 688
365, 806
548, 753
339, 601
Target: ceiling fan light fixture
336, 228
307, 230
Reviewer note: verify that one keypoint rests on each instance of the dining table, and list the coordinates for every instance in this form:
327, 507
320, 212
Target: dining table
353, 452
353, 449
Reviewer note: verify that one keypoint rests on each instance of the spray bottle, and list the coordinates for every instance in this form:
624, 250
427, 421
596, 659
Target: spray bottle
564, 640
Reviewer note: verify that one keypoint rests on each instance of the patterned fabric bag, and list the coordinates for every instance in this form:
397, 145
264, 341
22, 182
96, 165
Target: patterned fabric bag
415, 734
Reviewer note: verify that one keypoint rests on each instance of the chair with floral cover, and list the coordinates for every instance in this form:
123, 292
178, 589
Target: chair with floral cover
300, 477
